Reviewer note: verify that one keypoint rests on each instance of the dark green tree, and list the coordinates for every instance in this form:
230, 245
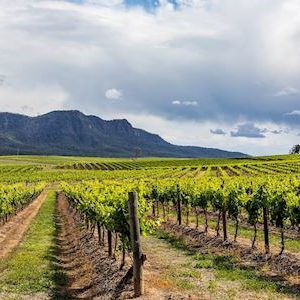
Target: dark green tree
295, 149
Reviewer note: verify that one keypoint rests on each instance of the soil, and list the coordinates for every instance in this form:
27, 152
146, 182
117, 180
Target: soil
90, 273
12, 232
288, 232
171, 273
286, 265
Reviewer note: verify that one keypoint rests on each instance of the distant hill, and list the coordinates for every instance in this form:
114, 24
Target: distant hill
73, 133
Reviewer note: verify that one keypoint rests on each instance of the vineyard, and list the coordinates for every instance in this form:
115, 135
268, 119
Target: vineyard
224, 222
14, 197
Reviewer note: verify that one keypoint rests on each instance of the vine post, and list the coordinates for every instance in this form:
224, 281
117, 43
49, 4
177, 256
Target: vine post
135, 237
178, 206
266, 229
224, 224
109, 241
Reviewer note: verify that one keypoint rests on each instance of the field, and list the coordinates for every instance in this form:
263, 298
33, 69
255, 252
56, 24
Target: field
211, 228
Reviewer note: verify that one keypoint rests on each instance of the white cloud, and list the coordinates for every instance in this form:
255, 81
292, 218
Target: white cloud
293, 113
113, 94
176, 102
60, 55
186, 103
28, 100
287, 91
105, 2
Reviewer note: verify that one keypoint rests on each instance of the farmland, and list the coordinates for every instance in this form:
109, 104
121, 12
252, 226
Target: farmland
212, 228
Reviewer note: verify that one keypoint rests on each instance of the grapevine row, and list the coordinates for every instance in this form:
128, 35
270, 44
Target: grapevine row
13, 198
104, 205
267, 200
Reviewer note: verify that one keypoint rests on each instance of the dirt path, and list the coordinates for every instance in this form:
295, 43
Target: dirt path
90, 273
73, 260
286, 266
13, 231
173, 274
162, 272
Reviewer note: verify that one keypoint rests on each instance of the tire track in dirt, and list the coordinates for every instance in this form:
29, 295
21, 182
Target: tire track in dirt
12, 232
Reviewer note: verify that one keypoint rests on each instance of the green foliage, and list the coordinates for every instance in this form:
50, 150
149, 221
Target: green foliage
13, 197
106, 203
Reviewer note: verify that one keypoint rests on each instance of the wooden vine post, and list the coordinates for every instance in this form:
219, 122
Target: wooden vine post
266, 229
224, 218
178, 206
224, 224
135, 235
109, 241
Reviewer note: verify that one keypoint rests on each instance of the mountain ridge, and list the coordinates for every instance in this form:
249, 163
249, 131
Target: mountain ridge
70, 132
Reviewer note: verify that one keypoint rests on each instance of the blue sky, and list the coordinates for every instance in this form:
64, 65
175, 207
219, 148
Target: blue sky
201, 72
147, 4
150, 4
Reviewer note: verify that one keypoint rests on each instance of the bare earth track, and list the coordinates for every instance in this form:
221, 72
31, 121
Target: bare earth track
13, 231
89, 272
286, 266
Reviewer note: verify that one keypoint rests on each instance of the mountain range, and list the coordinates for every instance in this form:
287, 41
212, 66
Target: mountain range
73, 133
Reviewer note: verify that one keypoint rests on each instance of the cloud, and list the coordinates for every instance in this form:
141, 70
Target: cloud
293, 113
62, 54
28, 100
277, 131
113, 94
287, 91
185, 134
176, 102
218, 131
27, 109
248, 130
186, 103
2, 79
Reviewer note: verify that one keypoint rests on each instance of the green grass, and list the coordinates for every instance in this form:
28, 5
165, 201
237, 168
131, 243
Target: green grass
227, 268
246, 232
292, 245
30, 269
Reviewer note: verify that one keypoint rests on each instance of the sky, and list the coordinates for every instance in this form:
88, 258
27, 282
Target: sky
212, 73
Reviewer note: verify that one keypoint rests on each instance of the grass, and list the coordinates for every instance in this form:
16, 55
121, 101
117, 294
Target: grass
292, 245
30, 269
227, 270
